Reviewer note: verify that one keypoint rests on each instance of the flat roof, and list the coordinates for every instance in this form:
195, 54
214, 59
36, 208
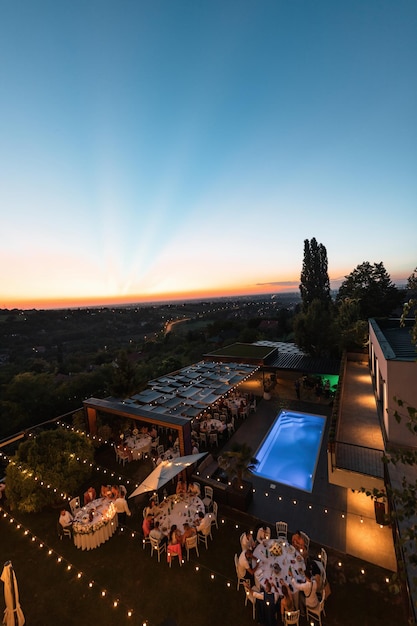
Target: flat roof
395, 340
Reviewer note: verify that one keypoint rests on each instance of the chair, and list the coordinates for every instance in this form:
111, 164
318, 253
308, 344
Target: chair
291, 617
174, 551
158, 547
282, 529
240, 580
203, 537
160, 450
63, 532
249, 597
190, 544
203, 439
323, 558
306, 540
155, 443
122, 456
208, 497
315, 613
74, 504
214, 514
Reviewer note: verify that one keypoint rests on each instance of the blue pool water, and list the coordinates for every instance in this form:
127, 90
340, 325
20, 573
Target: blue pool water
290, 451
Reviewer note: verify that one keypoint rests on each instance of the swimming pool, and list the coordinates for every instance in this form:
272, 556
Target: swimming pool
289, 453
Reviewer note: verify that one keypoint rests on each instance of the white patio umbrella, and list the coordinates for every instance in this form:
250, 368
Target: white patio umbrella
13, 614
165, 471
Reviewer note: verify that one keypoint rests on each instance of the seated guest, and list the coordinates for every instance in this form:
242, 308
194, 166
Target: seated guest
147, 525
203, 523
65, 518
194, 448
153, 432
189, 531
115, 493
181, 486
105, 491
122, 509
263, 534
194, 489
309, 597
298, 542
174, 543
246, 541
152, 508
287, 600
268, 602
245, 565
157, 534
89, 495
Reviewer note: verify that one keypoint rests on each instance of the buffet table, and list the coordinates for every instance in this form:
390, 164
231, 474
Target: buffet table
279, 561
178, 509
94, 524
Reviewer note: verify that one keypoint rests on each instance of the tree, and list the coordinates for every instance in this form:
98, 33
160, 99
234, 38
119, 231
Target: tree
51, 459
315, 284
314, 330
238, 462
124, 381
371, 287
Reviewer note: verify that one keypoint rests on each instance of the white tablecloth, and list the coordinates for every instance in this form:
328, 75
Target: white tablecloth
212, 426
139, 445
177, 510
290, 563
91, 534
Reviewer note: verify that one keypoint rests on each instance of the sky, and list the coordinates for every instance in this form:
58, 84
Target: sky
169, 149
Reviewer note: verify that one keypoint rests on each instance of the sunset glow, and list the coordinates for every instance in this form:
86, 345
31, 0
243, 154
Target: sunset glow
175, 150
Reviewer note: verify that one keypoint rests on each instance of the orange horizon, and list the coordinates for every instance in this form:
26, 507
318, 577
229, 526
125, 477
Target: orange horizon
71, 303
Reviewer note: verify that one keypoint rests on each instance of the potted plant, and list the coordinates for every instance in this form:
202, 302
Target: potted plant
237, 463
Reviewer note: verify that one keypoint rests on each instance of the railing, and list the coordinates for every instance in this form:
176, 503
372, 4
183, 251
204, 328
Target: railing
360, 459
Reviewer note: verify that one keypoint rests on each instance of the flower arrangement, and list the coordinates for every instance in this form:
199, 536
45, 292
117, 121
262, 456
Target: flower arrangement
276, 549
87, 527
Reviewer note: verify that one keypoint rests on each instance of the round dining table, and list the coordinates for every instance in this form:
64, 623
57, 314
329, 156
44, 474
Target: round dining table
178, 509
279, 560
138, 445
94, 524
212, 425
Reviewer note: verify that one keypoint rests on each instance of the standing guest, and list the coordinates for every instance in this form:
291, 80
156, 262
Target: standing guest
157, 534
65, 518
267, 607
297, 388
298, 541
122, 509
309, 596
194, 448
147, 525
246, 541
263, 534
152, 508
89, 495
245, 565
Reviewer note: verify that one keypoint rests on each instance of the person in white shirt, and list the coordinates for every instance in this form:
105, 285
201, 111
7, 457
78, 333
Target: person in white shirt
246, 541
65, 518
309, 597
157, 534
122, 509
203, 523
263, 534
244, 565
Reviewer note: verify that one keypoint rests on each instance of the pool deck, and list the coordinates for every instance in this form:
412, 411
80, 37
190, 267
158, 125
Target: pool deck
332, 516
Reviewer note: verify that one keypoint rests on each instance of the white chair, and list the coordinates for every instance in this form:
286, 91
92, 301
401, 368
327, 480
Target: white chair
323, 558
208, 497
240, 580
123, 456
203, 537
249, 597
282, 529
75, 504
316, 613
157, 547
160, 450
214, 514
155, 443
64, 532
191, 543
291, 617
213, 440
203, 439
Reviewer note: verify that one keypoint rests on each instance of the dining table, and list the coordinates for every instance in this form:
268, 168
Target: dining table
94, 524
279, 561
168, 455
178, 509
212, 425
138, 445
